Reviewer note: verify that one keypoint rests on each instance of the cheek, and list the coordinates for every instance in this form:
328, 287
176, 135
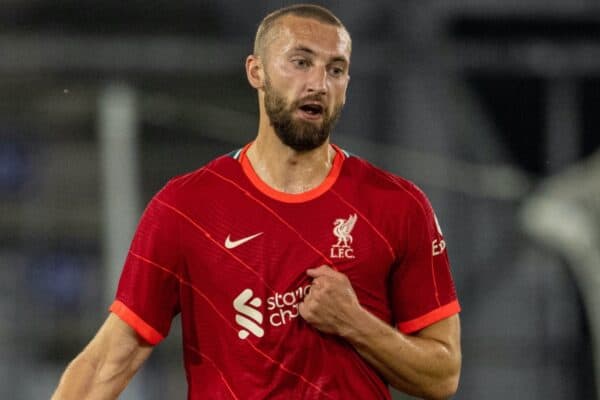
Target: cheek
340, 89
340, 98
283, 83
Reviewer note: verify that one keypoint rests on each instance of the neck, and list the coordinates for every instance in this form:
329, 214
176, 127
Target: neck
285, 169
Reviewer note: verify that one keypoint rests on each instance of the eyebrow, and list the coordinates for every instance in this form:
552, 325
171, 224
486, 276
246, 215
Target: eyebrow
308, 50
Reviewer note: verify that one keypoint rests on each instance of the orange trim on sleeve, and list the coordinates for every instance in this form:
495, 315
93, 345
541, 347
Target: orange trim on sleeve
289, 197
431, 317
147, 332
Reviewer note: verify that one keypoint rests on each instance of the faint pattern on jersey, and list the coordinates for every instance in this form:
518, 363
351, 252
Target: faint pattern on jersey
342, 228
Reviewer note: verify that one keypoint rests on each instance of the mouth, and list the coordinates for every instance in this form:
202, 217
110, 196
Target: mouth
312, 110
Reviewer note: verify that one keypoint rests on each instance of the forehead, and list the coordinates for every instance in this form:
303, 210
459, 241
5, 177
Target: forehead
293, 31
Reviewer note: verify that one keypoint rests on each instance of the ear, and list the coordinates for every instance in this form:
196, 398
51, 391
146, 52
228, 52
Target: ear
254, 71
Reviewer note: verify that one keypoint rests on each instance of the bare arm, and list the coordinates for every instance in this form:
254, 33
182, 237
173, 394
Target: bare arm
426, 364
103, 369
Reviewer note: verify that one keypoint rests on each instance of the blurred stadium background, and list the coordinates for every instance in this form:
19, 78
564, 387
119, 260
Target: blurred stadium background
492, 106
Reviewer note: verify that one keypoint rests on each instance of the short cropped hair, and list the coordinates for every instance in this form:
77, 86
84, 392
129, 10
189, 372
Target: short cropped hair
310, 11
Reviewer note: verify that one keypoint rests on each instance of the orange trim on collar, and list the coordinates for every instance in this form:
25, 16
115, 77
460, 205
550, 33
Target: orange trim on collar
293, 197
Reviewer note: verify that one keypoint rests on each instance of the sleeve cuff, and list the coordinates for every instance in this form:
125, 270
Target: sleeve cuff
148, 333
431, 317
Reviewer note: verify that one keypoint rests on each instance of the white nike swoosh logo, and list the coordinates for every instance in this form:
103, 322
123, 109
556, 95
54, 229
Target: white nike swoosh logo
232, 244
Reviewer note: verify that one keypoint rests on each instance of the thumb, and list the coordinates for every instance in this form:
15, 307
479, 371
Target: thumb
319, 271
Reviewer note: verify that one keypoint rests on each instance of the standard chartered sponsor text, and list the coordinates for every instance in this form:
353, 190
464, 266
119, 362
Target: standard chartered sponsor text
281, 309
284, 307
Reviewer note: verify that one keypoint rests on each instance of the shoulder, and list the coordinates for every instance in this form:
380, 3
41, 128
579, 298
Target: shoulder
387, 185
201, 179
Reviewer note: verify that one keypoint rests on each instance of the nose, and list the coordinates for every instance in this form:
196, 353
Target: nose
317, 83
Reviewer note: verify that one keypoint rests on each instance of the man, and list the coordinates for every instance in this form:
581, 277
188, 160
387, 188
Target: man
300, 272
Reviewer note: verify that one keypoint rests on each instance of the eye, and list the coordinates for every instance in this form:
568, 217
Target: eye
336, 71
301, 62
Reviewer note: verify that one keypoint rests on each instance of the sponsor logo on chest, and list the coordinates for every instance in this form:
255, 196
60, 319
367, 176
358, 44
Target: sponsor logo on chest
281, 309
253, 313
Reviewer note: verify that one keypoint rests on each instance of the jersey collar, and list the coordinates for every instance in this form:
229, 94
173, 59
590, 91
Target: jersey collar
267, 190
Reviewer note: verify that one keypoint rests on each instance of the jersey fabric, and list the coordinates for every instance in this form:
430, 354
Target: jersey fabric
230, 254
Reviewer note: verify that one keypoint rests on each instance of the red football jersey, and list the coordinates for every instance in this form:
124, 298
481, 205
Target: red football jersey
230, 254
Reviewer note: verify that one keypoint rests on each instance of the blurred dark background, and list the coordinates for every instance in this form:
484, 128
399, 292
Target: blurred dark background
492, 107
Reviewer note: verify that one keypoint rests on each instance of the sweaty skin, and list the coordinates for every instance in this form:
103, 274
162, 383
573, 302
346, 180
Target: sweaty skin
305, 58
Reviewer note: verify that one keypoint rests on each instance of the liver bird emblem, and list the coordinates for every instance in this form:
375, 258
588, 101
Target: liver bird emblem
342, 228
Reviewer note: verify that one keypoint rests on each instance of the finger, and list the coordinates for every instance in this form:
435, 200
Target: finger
323, 270
315, 283
302, 309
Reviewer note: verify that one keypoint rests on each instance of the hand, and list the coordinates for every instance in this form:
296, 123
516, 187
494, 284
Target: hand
331, 306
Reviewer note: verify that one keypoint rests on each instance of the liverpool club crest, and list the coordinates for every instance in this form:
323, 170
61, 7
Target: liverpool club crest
342, 230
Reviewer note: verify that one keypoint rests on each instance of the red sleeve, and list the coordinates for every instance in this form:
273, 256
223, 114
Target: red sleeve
422, 287
148, 293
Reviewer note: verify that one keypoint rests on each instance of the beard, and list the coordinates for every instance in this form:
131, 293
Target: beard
298, 134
